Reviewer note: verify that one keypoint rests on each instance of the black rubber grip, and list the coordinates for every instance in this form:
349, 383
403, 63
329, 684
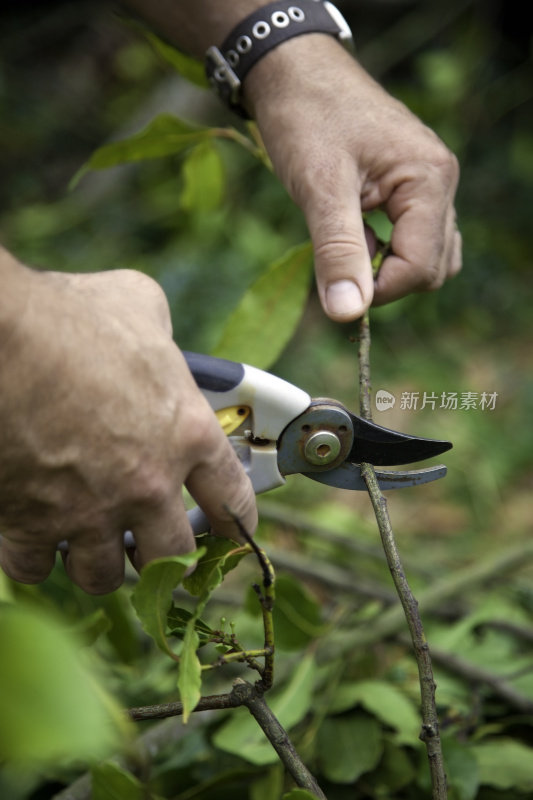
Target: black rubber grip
214, 374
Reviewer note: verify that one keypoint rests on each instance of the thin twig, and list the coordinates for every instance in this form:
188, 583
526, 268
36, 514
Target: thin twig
246, 694
254, 701
264, 563
266, 598
239, 654
430, 723
252, 146
365, 384
214, 702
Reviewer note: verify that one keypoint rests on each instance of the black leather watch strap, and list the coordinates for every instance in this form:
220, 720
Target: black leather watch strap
256, 35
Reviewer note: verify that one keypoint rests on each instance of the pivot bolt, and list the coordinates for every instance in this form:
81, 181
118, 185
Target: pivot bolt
322, 447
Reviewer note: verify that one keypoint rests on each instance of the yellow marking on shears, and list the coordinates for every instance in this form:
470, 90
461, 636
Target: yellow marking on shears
231, 417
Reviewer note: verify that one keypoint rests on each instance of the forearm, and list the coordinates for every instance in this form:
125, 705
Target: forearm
193, 25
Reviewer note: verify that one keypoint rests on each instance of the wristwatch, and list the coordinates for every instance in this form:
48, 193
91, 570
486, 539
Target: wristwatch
269, 26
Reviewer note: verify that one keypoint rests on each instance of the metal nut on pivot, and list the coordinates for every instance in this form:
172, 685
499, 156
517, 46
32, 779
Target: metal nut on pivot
322, 447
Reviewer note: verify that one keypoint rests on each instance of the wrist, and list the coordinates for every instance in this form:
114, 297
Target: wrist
295, 72
265, 31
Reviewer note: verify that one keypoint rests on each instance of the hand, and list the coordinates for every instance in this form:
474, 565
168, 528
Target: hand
341, 145
101, 424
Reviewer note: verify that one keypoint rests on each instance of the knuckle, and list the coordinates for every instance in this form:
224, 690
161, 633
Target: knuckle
454, 165
446, 163
134, 279
150, 487
312, 177
435, 282
344, 258
455, 267
429, 277
337, 249
151, 292
201, 432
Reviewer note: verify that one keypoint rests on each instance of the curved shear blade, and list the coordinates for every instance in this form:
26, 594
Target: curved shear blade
385, 447
348, 476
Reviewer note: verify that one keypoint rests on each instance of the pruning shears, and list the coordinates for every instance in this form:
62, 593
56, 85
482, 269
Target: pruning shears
277, 429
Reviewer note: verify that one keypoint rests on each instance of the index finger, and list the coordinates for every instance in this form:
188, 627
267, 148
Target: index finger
426, 250
224, 492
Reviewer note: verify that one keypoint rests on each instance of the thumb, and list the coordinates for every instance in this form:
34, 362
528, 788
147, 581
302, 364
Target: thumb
341, 249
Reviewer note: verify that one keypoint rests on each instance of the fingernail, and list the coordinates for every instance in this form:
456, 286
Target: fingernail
344, 297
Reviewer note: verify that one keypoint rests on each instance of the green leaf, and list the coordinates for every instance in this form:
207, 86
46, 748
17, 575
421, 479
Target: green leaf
52, 708
349, 747
443, 73
203, 176
268, 786
217, 559
190, 671
111, 782
165, 135
269, 311
188, 67
123, 635
6, 590
299, 794
386, 702
152, 596
242, 736
208, 575
505, 763
461, 769
179, 618
292, 703
380, 224
91, 627
395, 770
297, 615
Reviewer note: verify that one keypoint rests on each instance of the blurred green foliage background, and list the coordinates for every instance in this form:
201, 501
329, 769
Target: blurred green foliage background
76, 75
